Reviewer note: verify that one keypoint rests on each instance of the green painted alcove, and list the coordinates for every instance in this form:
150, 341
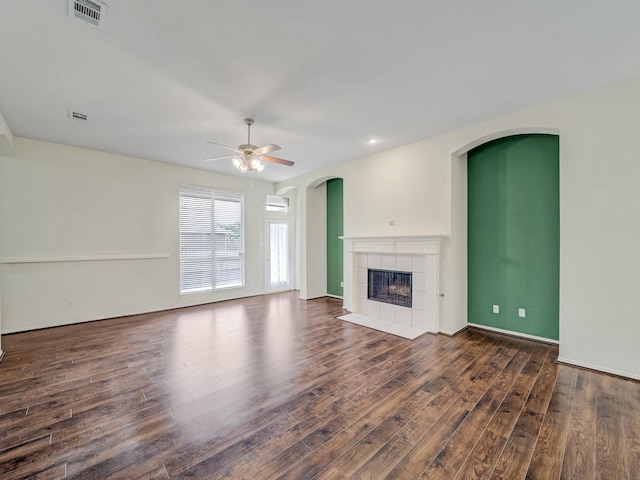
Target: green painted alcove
335, 251
514, 234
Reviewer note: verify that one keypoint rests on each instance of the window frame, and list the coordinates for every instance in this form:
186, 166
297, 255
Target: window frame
277, 204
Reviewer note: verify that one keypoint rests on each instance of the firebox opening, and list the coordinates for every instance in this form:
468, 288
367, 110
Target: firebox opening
389, 286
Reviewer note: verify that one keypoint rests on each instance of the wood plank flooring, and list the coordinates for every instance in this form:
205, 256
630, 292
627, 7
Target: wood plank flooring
276, 387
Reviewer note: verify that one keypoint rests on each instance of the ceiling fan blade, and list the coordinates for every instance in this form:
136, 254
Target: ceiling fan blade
267, 158
219, 158
266, 149
227, 147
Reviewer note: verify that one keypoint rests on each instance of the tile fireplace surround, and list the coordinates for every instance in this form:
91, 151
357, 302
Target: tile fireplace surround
419, 255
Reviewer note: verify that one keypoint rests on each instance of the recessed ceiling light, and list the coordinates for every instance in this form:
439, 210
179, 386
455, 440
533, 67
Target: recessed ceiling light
372, 140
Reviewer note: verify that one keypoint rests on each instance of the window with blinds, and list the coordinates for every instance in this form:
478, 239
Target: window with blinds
211, 239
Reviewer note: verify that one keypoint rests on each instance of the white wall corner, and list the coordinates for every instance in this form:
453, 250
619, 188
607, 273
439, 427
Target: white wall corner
6, 138
313, 246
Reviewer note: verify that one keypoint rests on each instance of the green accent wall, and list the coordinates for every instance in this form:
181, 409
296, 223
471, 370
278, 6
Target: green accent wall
335, 250
514, 234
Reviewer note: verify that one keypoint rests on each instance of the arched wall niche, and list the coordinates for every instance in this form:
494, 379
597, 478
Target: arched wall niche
455, 314
320, 180
311, 227
504, 133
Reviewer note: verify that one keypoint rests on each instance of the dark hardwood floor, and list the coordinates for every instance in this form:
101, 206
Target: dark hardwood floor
276, 387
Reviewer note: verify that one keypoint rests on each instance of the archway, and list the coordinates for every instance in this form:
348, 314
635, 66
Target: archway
456, 283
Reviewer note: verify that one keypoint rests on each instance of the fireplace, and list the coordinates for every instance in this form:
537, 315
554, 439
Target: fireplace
389, 286
417, 255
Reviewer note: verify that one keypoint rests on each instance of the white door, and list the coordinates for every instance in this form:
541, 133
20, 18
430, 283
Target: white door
278, 255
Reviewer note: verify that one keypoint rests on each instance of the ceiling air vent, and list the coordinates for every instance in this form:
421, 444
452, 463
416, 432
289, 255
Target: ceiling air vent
92, 12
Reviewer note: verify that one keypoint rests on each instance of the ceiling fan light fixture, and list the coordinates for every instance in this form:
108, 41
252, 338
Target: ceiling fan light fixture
247, 164
248, 157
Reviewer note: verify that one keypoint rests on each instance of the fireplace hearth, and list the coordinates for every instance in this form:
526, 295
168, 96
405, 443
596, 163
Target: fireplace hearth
390, 286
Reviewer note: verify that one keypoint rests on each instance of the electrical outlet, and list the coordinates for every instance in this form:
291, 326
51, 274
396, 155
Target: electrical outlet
342, 284
521, 313
71, 303
496, 309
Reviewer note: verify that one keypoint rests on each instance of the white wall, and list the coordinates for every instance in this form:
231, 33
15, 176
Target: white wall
422, 187
6, 148
311, 242
316, 258
60, 201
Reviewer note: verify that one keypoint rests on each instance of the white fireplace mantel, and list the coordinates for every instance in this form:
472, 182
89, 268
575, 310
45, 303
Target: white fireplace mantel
408, 244
418, 254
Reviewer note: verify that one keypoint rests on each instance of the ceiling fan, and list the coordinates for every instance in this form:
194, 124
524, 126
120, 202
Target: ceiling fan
248, 157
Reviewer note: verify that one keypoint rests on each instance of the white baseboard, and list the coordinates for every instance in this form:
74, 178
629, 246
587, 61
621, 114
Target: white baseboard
452, 333
515, 334
598, 368
311, 298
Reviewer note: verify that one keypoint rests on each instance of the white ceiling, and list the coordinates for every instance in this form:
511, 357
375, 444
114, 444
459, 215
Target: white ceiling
319, 77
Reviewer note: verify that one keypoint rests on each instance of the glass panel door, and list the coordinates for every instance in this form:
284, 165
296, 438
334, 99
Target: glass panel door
278, 255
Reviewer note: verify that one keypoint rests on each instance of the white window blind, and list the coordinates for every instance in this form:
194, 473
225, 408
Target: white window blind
211, 239
229, 239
